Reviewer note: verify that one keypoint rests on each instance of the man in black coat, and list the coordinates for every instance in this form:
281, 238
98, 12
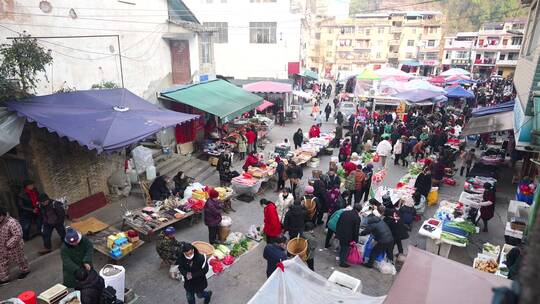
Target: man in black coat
53, 215
381, 234
159, 189
319, 187
274, 253
90, 284
295, 219
347, 229
193, 266
332, 180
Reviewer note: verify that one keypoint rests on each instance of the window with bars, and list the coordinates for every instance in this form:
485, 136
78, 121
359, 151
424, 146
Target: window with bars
221, 34
206, 48
262, 32
410, 42
431, 43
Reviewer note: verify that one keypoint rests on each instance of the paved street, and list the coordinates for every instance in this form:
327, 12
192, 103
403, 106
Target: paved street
238, 283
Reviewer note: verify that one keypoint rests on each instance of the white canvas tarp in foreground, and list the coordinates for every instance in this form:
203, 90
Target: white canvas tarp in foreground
11, 126
297, 284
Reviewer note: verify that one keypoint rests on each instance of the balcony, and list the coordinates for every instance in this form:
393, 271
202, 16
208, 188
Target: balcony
396, 30
395, 42
393, 55
499, 46
507, 63
485, 61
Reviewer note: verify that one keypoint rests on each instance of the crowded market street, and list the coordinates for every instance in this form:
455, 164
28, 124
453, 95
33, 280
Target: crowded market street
242, 280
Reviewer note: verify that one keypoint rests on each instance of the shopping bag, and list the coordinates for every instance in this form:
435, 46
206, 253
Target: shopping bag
369, 247
354, 256
376, 158
174, 272
386, 267
433, 196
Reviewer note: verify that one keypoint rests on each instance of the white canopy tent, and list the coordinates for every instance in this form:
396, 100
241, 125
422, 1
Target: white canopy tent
297, 284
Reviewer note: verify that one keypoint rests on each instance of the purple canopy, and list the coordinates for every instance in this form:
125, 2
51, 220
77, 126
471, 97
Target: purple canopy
417, 95
498, 108
106, 120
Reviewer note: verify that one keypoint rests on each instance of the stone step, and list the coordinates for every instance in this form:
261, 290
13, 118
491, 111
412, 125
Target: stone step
167, 162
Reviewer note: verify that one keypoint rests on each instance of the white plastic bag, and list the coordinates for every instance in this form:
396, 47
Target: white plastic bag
386, 267
70, 296
12, 301
142, 157
174, 273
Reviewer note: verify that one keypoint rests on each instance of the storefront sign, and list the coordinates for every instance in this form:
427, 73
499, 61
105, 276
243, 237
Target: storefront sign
429, 62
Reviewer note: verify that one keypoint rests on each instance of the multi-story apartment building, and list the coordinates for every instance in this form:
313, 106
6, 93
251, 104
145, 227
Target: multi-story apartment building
497, 47
458, 50
256, 38
409, 40
527, 83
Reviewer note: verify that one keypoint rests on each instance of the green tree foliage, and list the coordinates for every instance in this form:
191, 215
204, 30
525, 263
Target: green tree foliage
22, 61
461, 15
469, 15
105, 85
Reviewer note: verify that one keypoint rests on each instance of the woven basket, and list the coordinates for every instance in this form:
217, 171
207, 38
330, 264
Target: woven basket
298, 246
311, 207
204, 248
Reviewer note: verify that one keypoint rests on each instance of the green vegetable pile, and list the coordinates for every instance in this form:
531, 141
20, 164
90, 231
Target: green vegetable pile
415, 168
467, 226
454, 238
240, 248
366, 157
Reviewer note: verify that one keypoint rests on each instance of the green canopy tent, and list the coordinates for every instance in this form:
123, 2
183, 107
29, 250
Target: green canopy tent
217, 97
310, 74
368, 74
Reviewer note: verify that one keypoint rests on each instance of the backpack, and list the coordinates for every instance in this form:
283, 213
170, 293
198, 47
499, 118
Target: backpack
334, 218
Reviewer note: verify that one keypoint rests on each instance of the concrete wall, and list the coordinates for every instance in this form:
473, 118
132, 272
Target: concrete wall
529, 56
82, 62
241, 59
64, 168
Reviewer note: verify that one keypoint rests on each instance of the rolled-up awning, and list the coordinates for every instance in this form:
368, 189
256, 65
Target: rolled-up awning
489, 123
217, 97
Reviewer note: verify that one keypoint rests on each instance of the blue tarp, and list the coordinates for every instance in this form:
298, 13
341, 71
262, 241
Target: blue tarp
105, 120
502, 107
458, 92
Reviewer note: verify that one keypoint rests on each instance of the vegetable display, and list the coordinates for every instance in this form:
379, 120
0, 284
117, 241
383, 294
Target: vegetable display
454, 238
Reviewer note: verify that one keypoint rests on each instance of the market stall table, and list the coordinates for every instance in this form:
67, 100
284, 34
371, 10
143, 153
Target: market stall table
99, 240
136, 219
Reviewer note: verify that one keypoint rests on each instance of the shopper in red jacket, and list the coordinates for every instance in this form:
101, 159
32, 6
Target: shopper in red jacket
272, 225
251, 137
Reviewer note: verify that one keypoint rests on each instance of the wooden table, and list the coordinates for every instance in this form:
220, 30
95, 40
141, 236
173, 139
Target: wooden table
145, 232
99, 240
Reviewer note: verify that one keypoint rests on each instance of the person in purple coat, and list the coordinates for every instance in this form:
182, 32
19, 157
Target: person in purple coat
212, 216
